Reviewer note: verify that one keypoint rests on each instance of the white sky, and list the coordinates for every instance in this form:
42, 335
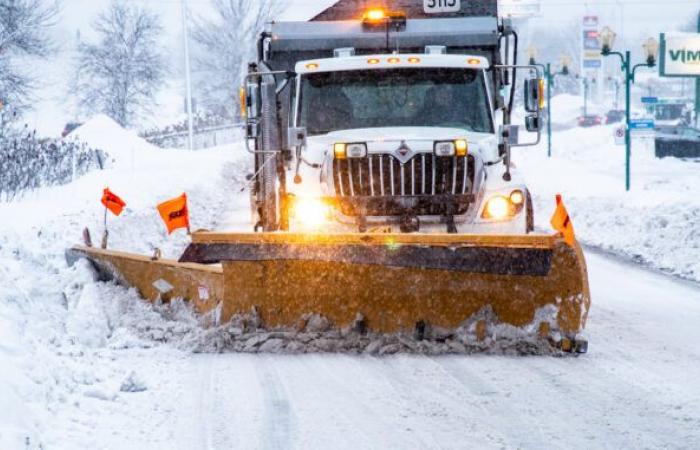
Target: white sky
630, 18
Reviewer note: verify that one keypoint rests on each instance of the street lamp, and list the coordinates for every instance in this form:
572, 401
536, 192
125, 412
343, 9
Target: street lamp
651, 49
531, 54
607, 40
565, 62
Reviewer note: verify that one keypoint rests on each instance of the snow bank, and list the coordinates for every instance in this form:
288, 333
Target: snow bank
104, 133
657, 223
61, 333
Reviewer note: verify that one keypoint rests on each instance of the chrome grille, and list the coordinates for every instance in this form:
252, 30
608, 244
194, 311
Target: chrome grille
384, 175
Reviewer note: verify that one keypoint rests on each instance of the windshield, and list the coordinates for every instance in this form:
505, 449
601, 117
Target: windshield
438, 97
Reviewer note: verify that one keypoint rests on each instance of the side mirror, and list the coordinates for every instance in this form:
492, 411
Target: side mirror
533, 123
296, 137
534, 94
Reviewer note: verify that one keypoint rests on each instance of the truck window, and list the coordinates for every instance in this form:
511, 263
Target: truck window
435, 97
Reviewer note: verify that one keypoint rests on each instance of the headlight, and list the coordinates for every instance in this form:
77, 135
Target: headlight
311, 212
500, 207
444, 149
355, 150
497, 207
517, 197
458, 147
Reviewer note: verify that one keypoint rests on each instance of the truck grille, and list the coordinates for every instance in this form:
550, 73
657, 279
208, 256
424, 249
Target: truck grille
385, 176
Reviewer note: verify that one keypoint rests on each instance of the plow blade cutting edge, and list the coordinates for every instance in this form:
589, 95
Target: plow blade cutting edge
385, 283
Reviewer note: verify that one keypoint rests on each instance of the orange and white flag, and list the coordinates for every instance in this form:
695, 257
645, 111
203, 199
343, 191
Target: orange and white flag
175, 214
561, 222
112, 202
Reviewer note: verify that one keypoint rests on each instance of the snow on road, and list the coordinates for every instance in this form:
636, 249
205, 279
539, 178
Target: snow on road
89, 365
637, 388
655, 223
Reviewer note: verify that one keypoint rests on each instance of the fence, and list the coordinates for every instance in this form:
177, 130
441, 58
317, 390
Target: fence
28, 163
203, 137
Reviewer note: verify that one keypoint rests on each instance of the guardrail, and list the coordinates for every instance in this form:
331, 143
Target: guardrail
204, 137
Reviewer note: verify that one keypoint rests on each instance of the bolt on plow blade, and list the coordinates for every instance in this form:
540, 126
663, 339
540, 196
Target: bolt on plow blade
424, 284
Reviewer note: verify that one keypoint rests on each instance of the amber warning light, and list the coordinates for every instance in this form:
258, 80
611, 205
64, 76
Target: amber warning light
382, 19
374, 15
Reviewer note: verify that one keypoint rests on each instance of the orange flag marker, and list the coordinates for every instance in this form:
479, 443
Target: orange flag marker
561, 222
112, 202
175, 213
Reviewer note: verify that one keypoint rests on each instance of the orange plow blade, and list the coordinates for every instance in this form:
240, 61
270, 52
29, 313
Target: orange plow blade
532, 287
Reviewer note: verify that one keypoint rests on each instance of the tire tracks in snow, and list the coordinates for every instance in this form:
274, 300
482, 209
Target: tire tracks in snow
279, 417
387, 409
205, 400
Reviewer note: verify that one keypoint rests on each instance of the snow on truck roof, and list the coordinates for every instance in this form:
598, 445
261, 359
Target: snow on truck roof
391, 61
475, 32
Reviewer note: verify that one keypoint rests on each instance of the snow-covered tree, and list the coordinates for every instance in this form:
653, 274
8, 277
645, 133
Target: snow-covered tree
23, 32
121, 74
227, 44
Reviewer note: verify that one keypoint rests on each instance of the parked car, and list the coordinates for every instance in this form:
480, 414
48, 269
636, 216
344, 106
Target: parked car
683, 142
614, 116
69, 128
590, 120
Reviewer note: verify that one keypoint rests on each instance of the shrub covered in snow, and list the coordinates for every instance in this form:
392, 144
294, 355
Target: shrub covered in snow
28, 162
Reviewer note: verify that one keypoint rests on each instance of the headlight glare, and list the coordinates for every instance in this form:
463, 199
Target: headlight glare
497, 207
311, 212
517, 197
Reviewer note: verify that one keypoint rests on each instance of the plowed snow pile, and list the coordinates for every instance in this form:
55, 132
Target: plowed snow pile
57, 326
656, 223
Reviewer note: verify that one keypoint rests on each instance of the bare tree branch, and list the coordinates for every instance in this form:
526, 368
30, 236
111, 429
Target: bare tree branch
227, 43
122, 73
23, 32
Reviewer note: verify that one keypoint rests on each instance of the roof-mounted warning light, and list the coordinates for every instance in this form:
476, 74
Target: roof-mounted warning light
374, 15
377, 18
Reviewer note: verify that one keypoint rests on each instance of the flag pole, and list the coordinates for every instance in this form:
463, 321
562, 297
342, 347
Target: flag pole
105, 235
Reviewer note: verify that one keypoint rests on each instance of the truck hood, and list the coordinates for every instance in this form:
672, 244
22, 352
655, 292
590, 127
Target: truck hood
418, 137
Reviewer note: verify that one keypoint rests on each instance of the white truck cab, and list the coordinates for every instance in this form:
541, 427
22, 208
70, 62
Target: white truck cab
398, 129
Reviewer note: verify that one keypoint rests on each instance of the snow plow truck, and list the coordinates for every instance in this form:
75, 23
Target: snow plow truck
383, 196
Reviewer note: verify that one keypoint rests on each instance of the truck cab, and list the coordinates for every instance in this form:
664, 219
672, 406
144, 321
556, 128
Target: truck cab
404, 128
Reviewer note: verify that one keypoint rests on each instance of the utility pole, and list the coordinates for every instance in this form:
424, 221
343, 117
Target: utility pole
188, 84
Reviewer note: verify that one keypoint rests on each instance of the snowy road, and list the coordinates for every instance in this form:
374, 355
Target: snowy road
82, 364
637, 388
